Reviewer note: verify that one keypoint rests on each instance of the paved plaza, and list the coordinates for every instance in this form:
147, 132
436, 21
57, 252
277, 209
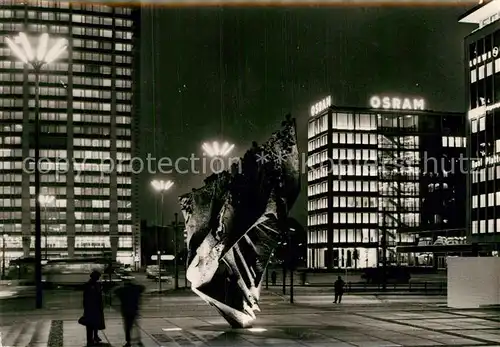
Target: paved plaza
184, 320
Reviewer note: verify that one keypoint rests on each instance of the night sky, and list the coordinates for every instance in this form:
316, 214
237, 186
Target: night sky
234, 73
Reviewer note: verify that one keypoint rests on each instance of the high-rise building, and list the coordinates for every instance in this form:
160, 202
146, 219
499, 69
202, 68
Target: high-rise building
482, 71
381, 179
87, 127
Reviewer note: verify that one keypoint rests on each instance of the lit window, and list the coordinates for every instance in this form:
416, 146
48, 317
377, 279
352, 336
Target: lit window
475, 226
349, 138
342, 201
482, 123
342, 121
342, 186
343, 218
482, 226
350, 186
474, 126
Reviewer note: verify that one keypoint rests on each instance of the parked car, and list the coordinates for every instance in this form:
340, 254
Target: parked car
152, 271
394, 274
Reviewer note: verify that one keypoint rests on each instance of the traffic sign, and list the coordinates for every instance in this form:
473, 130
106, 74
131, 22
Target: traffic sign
163, 257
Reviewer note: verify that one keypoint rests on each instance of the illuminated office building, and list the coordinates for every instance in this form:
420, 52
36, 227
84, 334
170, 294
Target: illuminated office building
482, 64
390, 169
86, 115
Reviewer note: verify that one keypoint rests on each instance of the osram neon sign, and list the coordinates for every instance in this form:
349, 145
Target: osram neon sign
394, 103
320, 106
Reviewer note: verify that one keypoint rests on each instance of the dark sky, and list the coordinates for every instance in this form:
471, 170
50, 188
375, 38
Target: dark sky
234, 73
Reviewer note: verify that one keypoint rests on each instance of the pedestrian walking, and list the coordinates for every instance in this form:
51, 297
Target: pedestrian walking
339, 289
93, 310
130, 297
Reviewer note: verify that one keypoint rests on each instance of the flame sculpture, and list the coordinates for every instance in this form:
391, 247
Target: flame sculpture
235, 221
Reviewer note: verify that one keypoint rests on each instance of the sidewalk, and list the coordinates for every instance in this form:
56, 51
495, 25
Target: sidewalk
344, 325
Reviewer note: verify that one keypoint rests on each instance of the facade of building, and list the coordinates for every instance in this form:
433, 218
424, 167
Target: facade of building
86, 135
482, 70
379, 178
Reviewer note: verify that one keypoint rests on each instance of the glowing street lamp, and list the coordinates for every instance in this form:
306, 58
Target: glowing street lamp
214, 149
161, 187
42, 56
21, 47
217, 151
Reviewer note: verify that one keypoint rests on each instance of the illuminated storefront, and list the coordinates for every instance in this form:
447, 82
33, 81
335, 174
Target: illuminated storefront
482, 62
379, 171
86, 115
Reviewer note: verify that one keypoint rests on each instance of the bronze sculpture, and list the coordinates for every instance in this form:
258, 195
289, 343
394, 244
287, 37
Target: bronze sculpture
235, 221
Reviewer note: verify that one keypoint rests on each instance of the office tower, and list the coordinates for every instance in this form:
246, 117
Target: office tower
482, 65
87, 127
381, 179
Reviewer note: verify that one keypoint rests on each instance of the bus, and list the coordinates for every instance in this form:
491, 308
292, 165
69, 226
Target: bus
75, 272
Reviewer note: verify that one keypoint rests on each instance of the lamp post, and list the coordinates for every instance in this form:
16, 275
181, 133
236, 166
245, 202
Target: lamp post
176, 268
4, 236
217, 151
37, 60
161, 187
46, 200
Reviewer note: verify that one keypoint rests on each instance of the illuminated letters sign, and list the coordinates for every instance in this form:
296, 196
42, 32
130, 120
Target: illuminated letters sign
486, 161
392, 103
321, 106
483, 57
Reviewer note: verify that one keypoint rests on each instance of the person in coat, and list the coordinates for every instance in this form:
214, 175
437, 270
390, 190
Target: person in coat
339, 289
93, 309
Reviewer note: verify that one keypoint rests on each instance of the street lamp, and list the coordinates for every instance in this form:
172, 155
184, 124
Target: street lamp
214, 149
46, 200
161, 187
217, 151
4, 236
37, 60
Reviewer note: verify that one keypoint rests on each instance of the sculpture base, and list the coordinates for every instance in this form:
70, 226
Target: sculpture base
235, 318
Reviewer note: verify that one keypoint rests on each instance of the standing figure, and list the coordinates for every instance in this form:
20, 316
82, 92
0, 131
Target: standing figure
130, 297
273, 277
93, 310
339, 289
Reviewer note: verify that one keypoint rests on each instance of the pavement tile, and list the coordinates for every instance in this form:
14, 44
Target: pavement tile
450, 341
74, 334
479, 334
